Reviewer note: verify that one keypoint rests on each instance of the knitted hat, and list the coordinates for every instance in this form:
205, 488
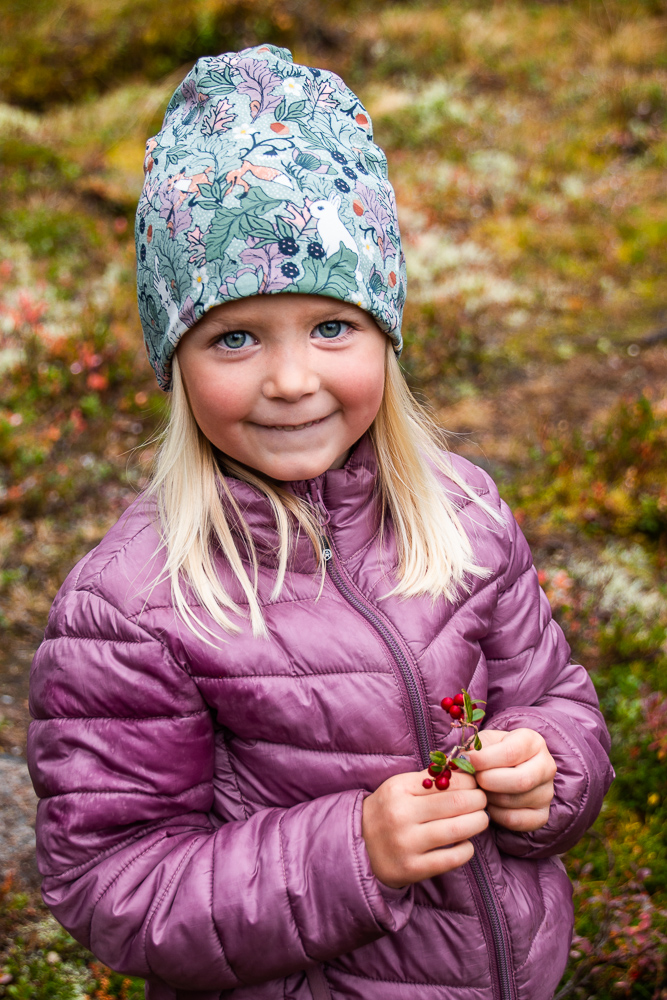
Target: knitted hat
264, 178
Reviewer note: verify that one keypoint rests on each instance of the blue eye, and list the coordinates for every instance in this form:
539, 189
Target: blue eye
236, 339
331, 329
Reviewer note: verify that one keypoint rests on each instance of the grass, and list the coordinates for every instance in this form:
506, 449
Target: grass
528, 143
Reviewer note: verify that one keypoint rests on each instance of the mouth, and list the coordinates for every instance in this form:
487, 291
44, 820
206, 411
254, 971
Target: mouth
293, 427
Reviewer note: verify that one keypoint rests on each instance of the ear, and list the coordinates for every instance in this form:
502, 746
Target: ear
335, 200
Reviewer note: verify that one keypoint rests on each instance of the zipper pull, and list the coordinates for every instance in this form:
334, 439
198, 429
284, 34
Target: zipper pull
327, 554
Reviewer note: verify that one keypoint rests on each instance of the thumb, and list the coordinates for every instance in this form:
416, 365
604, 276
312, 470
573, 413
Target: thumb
480, 758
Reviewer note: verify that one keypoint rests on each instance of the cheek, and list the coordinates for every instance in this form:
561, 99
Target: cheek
216, 407
361, 392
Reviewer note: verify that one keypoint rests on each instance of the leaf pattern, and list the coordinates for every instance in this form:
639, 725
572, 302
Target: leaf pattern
219, 118
259, 82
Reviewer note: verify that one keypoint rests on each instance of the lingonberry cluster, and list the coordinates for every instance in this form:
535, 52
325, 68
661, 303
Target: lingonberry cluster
465, 714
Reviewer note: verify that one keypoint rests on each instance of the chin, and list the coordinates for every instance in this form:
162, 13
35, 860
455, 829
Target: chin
297, 468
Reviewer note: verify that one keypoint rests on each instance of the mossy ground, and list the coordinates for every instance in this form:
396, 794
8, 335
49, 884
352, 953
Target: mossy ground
528, 146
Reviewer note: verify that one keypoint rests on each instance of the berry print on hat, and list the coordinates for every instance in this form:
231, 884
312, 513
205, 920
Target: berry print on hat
264, 178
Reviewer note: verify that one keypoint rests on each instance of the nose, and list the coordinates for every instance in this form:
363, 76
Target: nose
290, 377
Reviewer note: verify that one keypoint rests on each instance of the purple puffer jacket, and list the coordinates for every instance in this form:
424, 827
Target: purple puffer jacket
200, 813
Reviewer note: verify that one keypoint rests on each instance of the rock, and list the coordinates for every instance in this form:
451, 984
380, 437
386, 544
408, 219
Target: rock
18, 805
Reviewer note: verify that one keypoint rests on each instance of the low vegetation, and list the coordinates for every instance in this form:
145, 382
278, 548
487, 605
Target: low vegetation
528, 145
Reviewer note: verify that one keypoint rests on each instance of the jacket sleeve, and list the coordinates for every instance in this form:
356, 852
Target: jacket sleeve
533, 684
121, 753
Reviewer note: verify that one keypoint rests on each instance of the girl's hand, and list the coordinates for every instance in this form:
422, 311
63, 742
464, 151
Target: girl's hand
413, 833
517, 772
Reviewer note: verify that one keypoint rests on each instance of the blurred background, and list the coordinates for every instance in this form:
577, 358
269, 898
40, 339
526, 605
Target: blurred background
528, 144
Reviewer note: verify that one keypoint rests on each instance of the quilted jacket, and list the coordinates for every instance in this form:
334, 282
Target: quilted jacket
199, 822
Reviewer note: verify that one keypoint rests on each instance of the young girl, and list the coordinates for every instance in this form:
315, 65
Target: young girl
239, 688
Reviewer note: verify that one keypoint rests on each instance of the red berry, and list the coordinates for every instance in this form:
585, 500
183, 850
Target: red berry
441, 782
456, 712
474, 706
427, 783
447, 773
459, 699
434, 770
447, 703
454, 766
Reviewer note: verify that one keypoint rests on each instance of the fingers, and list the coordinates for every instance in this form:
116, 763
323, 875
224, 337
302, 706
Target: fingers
536, 798
443, 860
521, 778
519, 820
449, 803
510, 750
444, 832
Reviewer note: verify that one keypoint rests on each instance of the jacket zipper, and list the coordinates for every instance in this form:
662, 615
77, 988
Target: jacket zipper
485, 888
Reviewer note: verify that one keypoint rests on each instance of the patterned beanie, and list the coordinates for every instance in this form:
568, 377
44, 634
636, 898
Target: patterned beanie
264, 178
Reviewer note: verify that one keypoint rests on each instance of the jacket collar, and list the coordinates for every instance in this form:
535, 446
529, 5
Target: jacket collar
345, 500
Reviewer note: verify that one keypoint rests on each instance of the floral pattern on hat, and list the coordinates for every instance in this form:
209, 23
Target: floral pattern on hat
264, 178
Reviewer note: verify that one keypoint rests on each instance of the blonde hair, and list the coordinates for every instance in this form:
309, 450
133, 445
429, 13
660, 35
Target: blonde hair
434, 552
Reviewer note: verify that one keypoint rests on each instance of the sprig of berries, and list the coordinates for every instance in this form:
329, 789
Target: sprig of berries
465, 714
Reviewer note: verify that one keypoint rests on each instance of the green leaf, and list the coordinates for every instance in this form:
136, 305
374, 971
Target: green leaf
438, 757
467, 702
221, 81
256, 202
279, 113
283, 227
171, 267
294, 111
464, 764
228, 224
477, 744
262, 229
211, 197
177, 153
478, 714
316, 140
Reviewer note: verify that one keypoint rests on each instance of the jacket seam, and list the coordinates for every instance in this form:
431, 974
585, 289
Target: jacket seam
292, 677
357, 865
116, 555
456, 611
123, 868
538, 930
235, 778
124, 791
70, 872
351, 753
123, 616
122, 718
289, 899
446, 909
409, 982
158, 903
102, 638
213, 920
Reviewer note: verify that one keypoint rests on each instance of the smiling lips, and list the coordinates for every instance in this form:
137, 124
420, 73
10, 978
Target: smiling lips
292, 427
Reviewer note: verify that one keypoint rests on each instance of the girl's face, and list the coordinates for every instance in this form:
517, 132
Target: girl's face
284, 384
